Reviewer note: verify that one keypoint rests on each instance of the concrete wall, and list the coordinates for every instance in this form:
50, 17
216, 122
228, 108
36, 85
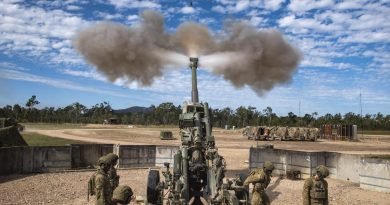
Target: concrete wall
87, 155
51, 158
11, 159
165, 154
284, 160
371, 173
343, 166
34, 159
145, 155
374, 174
137, 156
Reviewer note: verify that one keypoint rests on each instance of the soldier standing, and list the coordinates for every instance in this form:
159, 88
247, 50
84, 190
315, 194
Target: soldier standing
102, 183
315, 188
260, 178
122, 195
112, 174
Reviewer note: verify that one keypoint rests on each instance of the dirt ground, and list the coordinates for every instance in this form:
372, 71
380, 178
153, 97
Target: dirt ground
70, 187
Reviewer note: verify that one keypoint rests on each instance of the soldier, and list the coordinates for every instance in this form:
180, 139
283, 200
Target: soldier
122, 195
315, 188
102, 183
112, 175
260, 178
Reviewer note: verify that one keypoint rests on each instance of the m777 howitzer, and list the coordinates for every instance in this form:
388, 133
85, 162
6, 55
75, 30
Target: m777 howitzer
198, 170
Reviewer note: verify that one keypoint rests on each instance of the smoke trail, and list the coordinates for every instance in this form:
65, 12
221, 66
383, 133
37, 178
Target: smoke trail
259, 59
137, 53
244, 56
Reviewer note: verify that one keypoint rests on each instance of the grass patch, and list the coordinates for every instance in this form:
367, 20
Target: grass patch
34, 139
374, 132
53, 126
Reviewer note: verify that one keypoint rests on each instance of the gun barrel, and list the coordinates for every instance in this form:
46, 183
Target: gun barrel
194, 93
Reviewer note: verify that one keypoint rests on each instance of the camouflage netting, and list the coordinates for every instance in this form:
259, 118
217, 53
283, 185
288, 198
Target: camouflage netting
9, 133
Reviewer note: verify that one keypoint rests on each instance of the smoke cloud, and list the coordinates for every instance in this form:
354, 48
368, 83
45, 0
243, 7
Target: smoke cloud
243, 55
137, 53
194, 39
259, 59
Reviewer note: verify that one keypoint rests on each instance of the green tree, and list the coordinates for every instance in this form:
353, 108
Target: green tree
32, 102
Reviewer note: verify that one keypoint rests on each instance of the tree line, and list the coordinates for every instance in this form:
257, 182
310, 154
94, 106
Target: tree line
167, 114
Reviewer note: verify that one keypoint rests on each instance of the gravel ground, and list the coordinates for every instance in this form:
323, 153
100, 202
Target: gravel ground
70, 188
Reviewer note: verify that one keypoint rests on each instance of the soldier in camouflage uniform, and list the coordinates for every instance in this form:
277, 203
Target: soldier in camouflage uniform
260, 178
102, 183
122, 195
112, 175
315, 188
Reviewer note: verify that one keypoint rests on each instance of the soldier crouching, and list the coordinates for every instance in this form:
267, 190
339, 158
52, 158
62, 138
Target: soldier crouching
315, 188
122, 195
260, 178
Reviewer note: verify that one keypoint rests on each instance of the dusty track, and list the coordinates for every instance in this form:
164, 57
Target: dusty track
224, 139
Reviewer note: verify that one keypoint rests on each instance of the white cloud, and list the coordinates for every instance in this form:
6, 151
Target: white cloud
73, 8
255, 21
370, 21
349, 5
218, 8
287, 21
108, 16
132, 17
301, 6
12, 66
84, 74
235, 6
187, 10
58, 83
303, 25
366, 37
273, 4
36, 31
135, 4
207, 21
241, 5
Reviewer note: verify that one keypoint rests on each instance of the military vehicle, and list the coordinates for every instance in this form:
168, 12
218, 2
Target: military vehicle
198, 170
257, 133
166, 135
294, 133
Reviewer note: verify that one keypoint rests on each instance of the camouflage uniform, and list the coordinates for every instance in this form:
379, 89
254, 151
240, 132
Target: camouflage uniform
122, 195
112, 174
315, 189
260, 178
102, 183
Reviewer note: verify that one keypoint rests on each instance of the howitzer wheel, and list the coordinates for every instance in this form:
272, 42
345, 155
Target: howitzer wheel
152, 192
243, 197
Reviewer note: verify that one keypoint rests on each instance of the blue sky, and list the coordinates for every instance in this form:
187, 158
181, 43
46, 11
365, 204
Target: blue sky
345, 47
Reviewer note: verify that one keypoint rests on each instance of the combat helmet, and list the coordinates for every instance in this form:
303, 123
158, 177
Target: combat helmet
268, 166
122, 194
104, 160
322, 171
112, 157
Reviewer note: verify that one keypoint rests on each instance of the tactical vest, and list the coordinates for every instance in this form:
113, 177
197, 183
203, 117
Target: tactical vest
263, 181
318, 190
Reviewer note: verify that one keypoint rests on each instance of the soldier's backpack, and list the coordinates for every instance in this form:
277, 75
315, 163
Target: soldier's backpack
91, 186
